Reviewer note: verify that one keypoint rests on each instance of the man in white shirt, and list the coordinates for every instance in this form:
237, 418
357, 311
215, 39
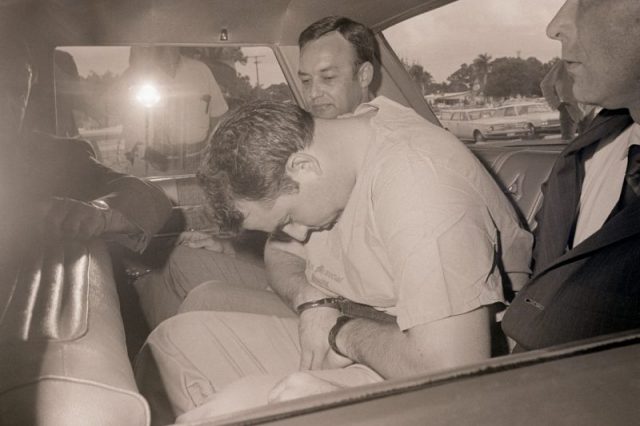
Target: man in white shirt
338, 57
388, 206
587, 252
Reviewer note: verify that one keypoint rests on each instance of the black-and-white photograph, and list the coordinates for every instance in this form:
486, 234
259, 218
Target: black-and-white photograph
319, 212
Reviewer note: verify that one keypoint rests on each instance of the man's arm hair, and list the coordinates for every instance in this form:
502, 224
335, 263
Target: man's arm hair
447, 343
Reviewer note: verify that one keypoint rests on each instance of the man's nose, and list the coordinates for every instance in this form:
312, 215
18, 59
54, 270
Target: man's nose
296, 231
316, 90
561, 25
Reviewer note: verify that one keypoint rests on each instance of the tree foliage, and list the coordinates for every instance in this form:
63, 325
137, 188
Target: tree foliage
511, 77
461, 79
481, 69
423, 78
503, 77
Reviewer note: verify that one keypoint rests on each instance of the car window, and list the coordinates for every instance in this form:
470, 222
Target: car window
457, 116
476, 115
445, 115
537, 108
510, 112
468, 62
148, 110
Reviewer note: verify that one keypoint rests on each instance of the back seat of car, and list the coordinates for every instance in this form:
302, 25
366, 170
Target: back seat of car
63, 356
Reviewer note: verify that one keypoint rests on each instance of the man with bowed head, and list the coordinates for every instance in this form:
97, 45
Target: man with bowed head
388, 207
338, 61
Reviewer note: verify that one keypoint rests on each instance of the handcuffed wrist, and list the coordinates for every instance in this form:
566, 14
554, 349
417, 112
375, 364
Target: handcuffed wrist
333, 334
327, 302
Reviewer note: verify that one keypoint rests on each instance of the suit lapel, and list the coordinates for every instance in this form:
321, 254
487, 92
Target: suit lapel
566, 194
560, 205
562, 191
623, 225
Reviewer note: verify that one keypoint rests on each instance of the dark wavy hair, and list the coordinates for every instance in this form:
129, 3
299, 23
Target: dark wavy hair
247, 155
360, 36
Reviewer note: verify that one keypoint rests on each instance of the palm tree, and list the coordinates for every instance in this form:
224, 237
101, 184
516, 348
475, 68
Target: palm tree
481, 69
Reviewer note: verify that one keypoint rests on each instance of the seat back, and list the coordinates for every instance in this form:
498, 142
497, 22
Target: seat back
63, 357
520, 172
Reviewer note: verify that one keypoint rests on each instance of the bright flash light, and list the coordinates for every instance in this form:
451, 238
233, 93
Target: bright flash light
148, 95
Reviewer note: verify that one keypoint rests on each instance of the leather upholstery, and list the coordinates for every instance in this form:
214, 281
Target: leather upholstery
63, 357
520, 173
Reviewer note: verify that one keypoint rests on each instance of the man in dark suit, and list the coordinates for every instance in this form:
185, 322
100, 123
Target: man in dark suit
586, 279
55, 187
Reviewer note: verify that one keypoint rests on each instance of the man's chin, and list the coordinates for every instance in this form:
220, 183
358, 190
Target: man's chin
327, 111
329, 225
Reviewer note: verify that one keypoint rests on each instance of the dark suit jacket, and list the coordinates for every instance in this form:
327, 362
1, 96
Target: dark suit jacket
45, 166
593, 288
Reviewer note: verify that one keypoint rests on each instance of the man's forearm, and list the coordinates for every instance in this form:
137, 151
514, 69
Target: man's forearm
446, 343
286, 275
382, 347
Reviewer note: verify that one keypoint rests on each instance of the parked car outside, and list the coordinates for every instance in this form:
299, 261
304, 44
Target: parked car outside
482, 124
542, 119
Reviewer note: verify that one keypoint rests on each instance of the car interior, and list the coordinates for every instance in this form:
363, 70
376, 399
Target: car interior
70, 322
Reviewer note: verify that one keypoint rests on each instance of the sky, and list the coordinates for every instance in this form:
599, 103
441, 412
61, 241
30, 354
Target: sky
445, 38
440, 40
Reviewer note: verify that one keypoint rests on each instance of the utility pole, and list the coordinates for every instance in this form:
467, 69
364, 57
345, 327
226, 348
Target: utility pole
256, 62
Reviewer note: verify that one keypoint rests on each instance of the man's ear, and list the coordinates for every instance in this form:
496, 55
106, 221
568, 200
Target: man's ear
365, 74
301, 165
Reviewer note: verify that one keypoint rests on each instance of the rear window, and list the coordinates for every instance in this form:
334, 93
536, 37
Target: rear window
480, 53
148, 110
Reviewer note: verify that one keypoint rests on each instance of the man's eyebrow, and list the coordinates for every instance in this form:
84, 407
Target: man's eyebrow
323, 70
328, 68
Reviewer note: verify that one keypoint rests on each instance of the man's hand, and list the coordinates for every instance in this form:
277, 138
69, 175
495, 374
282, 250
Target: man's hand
197, 239
73, 219
314, 328
298, 385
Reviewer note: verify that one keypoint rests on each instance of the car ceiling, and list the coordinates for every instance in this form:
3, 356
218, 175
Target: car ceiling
86, 22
